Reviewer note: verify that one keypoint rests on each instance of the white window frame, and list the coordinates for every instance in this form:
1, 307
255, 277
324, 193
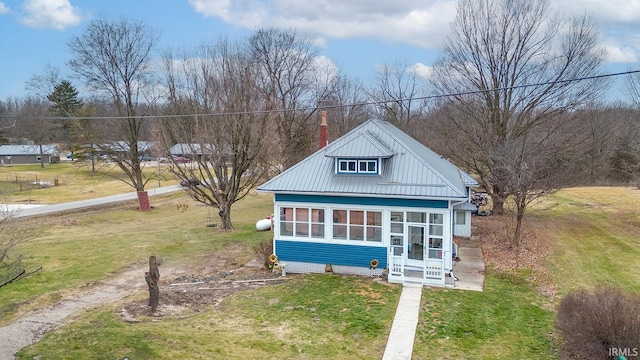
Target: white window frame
364, 226
309, 221
357, 163
347, 162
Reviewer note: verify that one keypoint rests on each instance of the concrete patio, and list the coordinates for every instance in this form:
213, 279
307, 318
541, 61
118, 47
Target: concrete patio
469, 270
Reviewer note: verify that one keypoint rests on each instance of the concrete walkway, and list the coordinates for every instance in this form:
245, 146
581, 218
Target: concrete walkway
403, 331
469, 269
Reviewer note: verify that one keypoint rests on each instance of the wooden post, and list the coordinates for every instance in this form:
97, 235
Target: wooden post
153, 279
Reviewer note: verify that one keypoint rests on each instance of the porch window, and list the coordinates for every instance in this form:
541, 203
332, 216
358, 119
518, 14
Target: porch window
303, 222
461, 218
359, 225
436, 229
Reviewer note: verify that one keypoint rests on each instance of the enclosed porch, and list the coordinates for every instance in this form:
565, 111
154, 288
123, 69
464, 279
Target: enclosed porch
468, 271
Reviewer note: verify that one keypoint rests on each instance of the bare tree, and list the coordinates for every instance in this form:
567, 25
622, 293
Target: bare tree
229, 150
113, 58
289, 79
397, 90
41, 85
505, 62
36, 124
344, 103
539, 163
13, 265
627, 154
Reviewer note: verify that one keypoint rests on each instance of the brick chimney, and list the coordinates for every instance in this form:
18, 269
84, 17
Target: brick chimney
324, 131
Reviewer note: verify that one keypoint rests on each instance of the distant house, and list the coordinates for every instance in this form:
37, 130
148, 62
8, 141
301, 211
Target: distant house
375, 196
121, 148
197, 152
28, 154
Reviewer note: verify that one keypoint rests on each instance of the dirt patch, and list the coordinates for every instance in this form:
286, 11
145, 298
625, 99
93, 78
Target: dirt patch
530, 256
185, 289
189, 294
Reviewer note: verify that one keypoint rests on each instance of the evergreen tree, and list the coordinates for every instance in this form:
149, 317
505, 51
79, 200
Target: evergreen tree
65, 100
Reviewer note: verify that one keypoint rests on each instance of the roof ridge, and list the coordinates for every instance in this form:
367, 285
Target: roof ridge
420, 158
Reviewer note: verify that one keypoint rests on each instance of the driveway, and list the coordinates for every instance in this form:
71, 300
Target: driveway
48, 209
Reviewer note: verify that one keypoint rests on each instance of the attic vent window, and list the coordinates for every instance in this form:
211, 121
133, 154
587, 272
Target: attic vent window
357, 166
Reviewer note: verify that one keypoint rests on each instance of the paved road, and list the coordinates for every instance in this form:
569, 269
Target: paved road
48, 209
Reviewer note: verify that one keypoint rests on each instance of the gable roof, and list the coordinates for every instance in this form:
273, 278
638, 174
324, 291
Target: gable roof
364, 145
409, 169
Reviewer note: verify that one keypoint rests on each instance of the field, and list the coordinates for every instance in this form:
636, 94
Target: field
590, 234
22, 183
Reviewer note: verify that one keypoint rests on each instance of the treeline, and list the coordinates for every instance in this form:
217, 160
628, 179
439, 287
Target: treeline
514, 99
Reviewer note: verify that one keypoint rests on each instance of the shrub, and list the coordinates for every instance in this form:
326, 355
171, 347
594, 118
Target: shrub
263, 250
599, 325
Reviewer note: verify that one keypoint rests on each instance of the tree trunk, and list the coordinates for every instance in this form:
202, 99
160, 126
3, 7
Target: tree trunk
225, 217
41, 157
498, 206
498, 198
517, 234
153, 278
143, 201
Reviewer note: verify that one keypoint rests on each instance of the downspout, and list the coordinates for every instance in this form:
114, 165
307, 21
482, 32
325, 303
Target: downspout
452, 225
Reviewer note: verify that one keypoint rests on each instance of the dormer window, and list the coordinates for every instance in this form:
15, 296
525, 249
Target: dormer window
358, 166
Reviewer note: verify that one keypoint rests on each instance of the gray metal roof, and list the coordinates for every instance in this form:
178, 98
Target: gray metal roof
27, 150
409, 169
466, 206
365, 145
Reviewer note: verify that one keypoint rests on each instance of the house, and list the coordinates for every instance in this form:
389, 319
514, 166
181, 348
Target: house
28, 154
198, 152
373, 201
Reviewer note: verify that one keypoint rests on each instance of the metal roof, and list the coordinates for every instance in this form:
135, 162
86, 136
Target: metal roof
466, 206
409, 169
27, 150
365, 145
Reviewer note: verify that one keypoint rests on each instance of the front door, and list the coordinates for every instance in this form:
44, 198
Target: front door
415, 245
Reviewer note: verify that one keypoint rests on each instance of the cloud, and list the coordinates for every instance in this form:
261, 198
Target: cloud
417, 22
56, 14
422, 71
603, 12
422, 23
4, 9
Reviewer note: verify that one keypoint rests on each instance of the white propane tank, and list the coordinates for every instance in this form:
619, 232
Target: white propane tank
264, 224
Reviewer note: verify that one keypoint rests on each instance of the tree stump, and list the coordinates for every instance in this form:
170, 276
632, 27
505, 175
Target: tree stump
153, 279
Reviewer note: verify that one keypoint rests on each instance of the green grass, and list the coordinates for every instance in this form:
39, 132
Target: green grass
84, 247
509, 320
593, 233
76, 182
307, 317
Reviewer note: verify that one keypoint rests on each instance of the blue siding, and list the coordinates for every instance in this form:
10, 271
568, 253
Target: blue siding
352, 200
335, 254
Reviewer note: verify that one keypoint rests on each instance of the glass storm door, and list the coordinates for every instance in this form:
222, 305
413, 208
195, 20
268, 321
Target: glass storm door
415, 245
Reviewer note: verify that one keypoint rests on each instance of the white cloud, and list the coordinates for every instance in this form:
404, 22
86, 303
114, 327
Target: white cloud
422, 71
418, 22
4, 9
603, 11
56, 14
423, 23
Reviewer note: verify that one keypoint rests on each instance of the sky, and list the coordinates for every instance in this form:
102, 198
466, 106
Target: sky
357, 36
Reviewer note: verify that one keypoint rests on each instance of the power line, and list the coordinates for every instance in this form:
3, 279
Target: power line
314, 108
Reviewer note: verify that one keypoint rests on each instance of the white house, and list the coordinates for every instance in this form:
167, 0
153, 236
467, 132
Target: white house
375, 196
